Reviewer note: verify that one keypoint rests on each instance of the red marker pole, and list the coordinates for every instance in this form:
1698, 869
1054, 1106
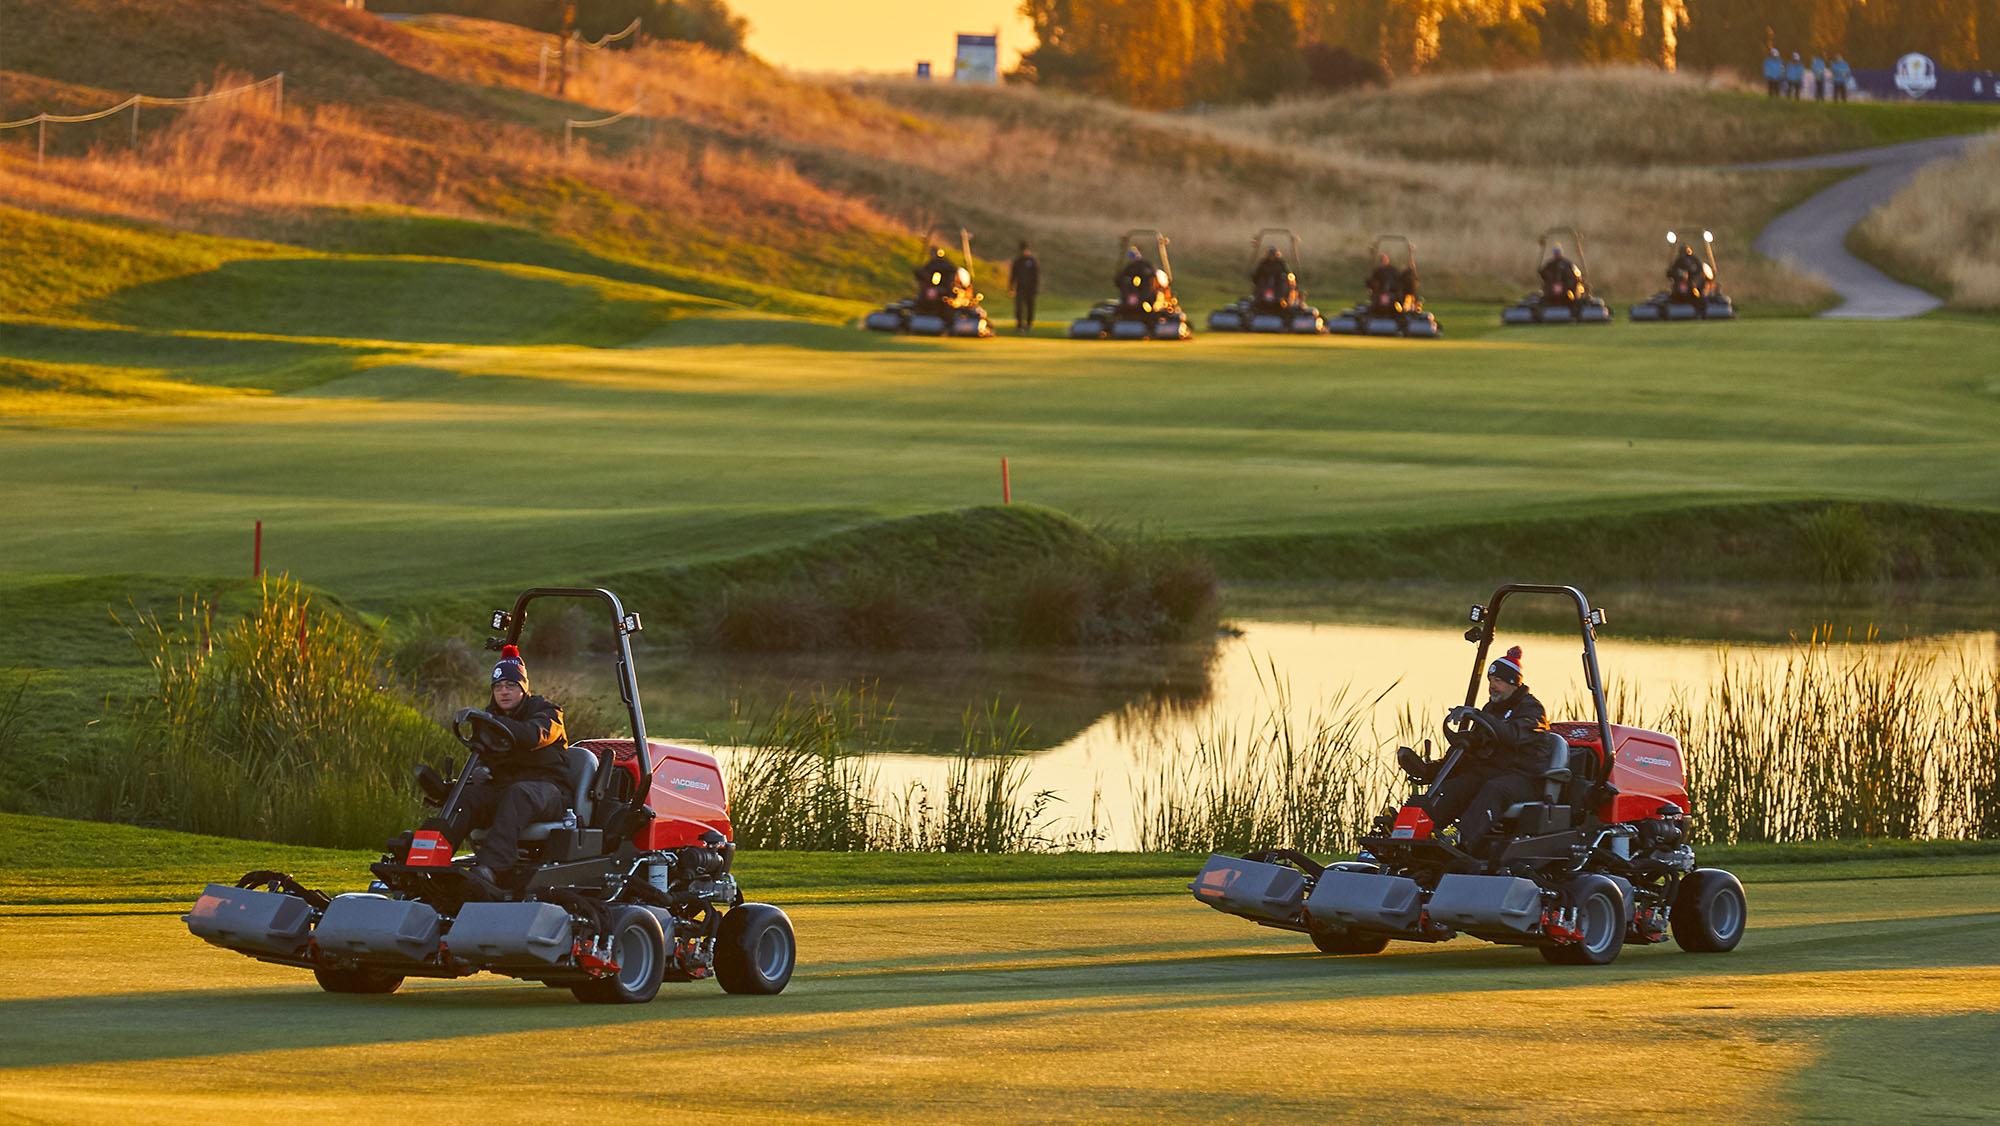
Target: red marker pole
257, 552
1006, 484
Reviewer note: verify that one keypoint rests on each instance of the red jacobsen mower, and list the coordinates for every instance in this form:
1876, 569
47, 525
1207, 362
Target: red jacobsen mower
1600, 861
944, 304
1145, 308
1391, 310
630, 889
1275, 304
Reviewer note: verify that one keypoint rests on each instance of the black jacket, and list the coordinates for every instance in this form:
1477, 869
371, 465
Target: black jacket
1271, 272
536, 754
1519, 718
1024, 275
1561, 271
1385, 279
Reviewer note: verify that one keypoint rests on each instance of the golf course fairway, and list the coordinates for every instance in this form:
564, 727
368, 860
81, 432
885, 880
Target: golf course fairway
1850, 999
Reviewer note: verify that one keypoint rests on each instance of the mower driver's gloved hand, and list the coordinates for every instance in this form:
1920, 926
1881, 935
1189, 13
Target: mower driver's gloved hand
1415, 766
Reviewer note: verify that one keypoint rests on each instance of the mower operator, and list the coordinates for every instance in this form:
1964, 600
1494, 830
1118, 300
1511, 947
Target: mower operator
1491, 775
1559, 271
1687, 265
1385, 278
1272, 273
527, 775
1137, 273
935, 270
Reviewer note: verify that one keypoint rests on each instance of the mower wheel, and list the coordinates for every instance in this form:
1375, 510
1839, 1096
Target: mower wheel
755, 950
357, 979
1338, 940
1602, 918
1709, 912
639, 947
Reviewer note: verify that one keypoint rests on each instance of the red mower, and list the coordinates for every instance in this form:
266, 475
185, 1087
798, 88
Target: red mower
630, 889
1600, 861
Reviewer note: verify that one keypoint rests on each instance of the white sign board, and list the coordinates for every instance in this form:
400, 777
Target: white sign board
977, 60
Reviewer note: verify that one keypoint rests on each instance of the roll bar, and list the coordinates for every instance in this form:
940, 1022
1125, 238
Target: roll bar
1257, 247
1575, 240
1409, 249
623, 626
1486, 619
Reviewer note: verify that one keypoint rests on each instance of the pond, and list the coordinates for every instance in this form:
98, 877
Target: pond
1101, 724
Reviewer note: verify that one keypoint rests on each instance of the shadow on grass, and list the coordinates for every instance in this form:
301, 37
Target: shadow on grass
1890, 1069
918, 993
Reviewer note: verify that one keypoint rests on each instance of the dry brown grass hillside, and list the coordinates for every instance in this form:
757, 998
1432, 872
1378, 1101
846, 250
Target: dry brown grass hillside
420, 137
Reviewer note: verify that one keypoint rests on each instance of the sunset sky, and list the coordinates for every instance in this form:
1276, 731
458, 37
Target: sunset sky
878, 35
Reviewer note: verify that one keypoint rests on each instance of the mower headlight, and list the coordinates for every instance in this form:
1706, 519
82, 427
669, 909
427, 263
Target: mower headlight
1708, 236
964, 276
1670, 237
1161, 277
936, 277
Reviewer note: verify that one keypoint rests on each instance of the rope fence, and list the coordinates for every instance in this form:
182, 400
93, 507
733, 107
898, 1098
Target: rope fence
42, 121
571, 125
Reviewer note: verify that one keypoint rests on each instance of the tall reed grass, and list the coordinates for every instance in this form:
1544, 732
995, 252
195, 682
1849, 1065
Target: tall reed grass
1837, 739
284, 726
801, 778
1313, 784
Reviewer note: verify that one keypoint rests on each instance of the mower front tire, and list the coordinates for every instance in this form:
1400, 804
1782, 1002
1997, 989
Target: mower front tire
639, 947
1601, 916
1338, 940
755, 950
356, 979
1709, 912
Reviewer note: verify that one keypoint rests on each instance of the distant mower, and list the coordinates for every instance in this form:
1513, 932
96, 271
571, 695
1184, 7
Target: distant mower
1564, 296
1599, 861
630, 889
944, 304
1277, 302
1692, 293
1145, 308
1392, 309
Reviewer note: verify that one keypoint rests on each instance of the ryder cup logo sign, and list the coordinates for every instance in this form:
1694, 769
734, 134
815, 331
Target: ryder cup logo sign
1916, 75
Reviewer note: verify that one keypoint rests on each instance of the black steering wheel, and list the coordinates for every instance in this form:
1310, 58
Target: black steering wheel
1470, 729
480, 730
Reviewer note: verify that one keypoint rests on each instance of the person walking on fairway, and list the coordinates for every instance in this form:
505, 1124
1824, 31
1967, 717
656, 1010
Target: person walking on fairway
1842, 75
1774, 73
1024, 278
1795, 76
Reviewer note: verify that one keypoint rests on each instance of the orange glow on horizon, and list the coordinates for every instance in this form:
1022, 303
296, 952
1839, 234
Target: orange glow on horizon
878, 36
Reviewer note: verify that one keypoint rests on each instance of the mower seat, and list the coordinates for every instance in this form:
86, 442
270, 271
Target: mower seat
581, 766
1552, 751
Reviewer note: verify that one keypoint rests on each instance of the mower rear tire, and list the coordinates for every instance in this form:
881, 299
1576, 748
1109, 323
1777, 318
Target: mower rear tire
755, 951
639, 947
1709, 912
1338, 940
356, 979
1601, 916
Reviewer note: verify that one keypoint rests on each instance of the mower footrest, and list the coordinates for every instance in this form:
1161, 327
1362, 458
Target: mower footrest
1250, 888
1486, 905
250, 921
1366, 900
510, 934
376, 929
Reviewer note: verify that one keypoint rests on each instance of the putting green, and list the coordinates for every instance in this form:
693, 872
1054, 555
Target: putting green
1866, 999
381, 469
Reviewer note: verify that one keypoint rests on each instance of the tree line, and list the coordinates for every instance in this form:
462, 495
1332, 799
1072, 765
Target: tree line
1165, 53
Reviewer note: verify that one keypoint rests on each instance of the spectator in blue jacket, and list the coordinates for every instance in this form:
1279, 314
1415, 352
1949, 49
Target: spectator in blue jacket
1795, 76
1774, 73
1819, 78
1843, 75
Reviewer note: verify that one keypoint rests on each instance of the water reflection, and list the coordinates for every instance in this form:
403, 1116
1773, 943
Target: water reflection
1100, 722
